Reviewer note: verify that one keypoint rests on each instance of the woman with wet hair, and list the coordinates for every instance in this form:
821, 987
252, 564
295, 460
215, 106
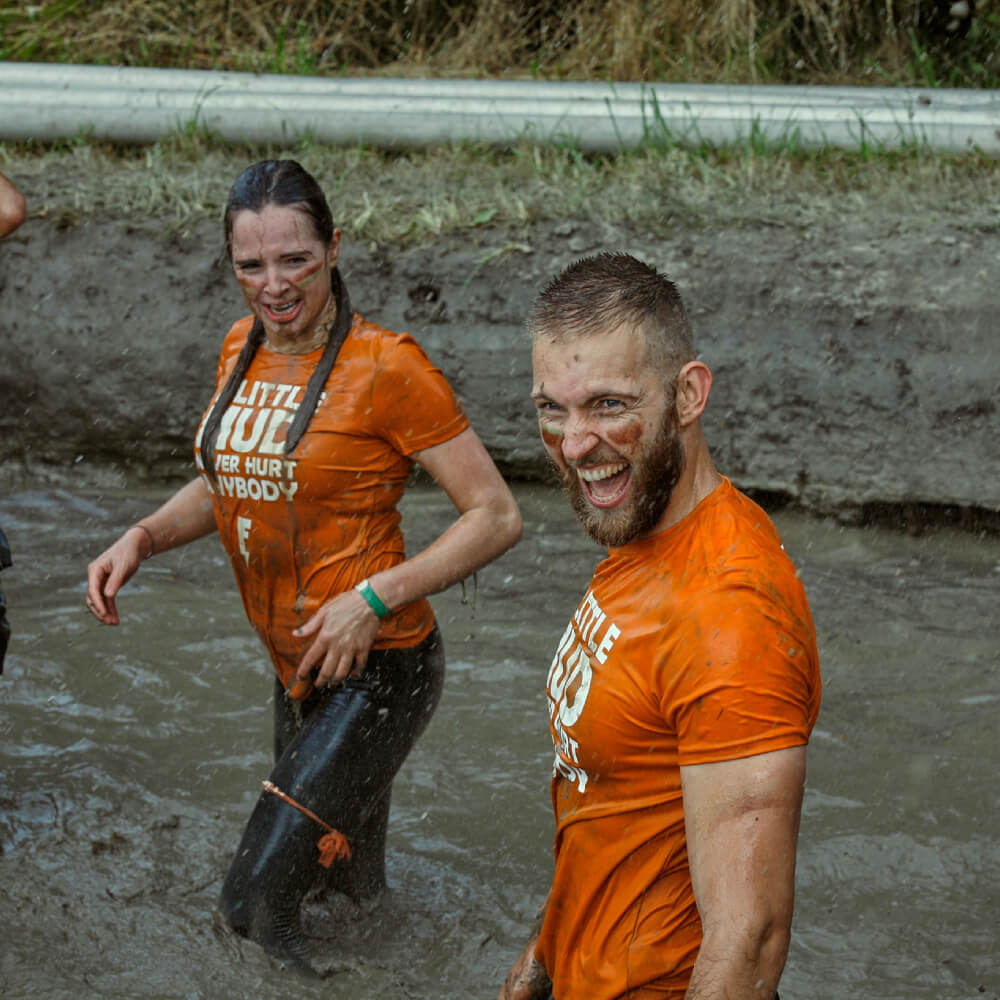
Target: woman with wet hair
303, 455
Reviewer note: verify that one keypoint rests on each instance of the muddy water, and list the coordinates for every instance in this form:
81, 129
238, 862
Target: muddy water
131, 758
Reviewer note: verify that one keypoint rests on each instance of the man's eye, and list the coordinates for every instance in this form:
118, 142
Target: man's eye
609, 404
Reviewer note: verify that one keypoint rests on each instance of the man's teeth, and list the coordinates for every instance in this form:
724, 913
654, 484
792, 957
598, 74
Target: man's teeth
287, 307
604, 472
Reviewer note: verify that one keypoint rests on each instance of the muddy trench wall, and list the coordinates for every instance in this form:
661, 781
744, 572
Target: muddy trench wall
856, 362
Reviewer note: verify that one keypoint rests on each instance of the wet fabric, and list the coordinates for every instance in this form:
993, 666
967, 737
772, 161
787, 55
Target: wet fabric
693, 646
337, 754
301, 529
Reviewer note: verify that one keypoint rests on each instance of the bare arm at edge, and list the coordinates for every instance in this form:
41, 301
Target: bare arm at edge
527, 979
742, 824
489, 522
12, 206
187, 515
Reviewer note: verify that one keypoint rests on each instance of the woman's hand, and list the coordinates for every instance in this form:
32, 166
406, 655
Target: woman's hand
111, 570
343, 632
187, 515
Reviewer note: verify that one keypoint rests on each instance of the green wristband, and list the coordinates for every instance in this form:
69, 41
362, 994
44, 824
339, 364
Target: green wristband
365, 590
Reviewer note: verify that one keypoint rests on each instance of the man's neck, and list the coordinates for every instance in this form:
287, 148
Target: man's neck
697, 481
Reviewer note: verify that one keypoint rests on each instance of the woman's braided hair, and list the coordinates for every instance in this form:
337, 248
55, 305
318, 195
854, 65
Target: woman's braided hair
279, 182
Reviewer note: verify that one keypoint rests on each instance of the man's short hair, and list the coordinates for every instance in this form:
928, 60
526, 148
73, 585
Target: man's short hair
601, 293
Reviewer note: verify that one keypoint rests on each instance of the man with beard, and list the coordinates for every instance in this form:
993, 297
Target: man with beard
683, 692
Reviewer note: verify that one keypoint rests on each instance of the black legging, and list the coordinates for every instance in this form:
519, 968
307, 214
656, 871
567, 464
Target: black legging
337, 754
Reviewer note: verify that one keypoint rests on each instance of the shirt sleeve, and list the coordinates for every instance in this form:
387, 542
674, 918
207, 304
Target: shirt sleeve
415, 407
747, 682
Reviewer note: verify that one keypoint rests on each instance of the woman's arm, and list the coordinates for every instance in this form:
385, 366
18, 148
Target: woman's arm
187, 515
489, 523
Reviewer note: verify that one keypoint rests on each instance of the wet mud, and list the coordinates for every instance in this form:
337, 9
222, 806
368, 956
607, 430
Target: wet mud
853, 344
131, 758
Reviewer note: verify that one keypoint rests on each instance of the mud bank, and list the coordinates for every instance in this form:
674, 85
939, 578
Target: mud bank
855, 357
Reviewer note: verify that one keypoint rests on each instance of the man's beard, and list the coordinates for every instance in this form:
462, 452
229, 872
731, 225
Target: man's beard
655, 474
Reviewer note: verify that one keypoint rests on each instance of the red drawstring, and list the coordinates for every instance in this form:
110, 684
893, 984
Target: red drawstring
332, 845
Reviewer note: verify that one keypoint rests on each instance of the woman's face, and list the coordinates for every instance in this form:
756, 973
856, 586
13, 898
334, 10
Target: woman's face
283, 268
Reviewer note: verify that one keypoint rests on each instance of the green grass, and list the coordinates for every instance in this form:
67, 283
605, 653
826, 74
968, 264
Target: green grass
734, 41
407, 198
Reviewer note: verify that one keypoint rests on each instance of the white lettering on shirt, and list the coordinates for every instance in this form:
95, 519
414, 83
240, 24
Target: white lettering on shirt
242, 534
570, 678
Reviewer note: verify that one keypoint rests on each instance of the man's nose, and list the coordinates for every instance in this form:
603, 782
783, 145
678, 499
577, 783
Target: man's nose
578, 440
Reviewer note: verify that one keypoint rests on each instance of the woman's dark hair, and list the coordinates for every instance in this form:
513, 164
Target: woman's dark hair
278, 182
281, 183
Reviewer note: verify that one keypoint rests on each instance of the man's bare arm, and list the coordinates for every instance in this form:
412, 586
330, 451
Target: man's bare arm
742, 822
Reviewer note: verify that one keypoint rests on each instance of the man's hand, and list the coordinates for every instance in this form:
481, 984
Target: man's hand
527, 980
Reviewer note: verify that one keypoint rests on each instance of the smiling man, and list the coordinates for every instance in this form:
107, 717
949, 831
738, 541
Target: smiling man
684, 689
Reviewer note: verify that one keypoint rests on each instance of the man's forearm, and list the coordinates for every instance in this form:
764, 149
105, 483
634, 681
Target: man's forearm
739, 969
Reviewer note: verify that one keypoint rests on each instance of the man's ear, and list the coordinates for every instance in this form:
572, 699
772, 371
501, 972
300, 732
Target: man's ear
694, 383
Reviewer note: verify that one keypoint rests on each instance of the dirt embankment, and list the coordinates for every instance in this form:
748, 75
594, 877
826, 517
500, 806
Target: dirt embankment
856, 357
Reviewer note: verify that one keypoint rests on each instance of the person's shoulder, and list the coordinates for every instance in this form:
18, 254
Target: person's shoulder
366, 329
234, 340
725, 526
749, 568
381, 344
379, 337
734, 547
238, 332
733, 523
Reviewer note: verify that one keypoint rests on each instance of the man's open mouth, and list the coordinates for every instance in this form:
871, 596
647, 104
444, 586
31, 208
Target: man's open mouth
606, 485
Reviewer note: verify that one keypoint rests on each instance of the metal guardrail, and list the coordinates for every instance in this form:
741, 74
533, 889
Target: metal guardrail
45, 102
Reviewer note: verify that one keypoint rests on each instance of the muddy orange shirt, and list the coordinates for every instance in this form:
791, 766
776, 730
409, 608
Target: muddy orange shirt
301, 529
693, 646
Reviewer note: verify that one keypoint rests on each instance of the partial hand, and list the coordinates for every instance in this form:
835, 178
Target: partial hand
527, 980
110, 571
343, 632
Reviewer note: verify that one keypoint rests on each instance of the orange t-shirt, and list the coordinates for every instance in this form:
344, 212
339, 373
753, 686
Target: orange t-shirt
301, 529
692, 646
